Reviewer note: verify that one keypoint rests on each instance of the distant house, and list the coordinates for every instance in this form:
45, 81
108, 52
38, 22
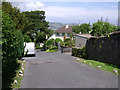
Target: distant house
61, 32
81, 39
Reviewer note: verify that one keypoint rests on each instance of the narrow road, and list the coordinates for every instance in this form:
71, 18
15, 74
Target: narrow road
56, 70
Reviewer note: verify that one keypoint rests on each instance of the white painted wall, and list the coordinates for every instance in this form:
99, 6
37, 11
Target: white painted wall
61, 37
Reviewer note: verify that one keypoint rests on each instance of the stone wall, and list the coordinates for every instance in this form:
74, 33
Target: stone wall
66, 49
105, 49
80, 41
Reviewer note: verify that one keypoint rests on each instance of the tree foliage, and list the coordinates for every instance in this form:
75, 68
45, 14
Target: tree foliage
102, 28
27, 38
83, 28
16, 15
37, 24
41, 36
76, 29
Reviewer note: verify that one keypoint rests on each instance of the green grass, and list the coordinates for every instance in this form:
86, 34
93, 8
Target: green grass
19, 79
105, 66
50, 51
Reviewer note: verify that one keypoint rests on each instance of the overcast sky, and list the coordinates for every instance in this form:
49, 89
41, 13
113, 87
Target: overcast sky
74, 12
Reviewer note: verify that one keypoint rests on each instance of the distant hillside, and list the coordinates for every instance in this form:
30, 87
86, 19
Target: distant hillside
54, 25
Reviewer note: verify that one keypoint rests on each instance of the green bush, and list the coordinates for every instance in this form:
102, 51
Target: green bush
77, 52
53, 48
12, 49
68, 42
20, 45
49, 43
57, 40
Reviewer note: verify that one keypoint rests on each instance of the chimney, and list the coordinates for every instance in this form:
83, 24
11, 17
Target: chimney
66, 26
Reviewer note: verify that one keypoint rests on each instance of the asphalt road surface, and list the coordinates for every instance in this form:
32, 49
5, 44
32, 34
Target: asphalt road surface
56, 70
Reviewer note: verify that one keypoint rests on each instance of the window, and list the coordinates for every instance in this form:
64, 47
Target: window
57, 34
68, 34
63, 34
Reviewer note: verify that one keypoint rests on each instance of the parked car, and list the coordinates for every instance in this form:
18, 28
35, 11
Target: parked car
29, 48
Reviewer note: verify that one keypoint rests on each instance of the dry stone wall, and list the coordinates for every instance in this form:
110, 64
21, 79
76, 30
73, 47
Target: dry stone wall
105, 49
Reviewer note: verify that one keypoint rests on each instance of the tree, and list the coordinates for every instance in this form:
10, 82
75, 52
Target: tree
36, 20
102, 28
83, 28
37, 24
76, 29
41, 36
16, 15
27, 38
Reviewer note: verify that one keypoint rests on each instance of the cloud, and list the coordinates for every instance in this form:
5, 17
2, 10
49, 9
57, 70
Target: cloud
79, 14
64, 13
28, 6
36, 5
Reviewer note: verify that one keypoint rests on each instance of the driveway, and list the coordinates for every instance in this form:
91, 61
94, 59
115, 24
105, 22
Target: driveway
56, 70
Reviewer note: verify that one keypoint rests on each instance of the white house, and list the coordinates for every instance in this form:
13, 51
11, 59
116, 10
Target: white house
61, 32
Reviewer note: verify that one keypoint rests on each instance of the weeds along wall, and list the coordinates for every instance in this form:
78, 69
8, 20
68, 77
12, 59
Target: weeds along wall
79, 52
104, 49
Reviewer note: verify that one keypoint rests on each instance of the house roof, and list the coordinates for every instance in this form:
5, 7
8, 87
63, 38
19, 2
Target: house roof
64, 29
84, 35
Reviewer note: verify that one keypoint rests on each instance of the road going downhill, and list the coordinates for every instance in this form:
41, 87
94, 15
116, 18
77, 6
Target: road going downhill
56, 70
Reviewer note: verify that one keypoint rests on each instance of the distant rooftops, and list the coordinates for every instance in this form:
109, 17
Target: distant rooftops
65, 29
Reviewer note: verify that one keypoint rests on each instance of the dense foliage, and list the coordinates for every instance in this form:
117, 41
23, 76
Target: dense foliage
27, 38
12, 48
83, 28
40, 37
51, 46
37, 25
13, 27
68, 42
16, 16
102, 28
57, 40
49, 43
77, 52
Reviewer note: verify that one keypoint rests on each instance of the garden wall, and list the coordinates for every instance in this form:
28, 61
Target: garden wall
66, 49
105, 49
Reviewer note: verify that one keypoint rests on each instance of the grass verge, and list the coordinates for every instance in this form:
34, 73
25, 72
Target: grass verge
17, 77
100, 65
50, 51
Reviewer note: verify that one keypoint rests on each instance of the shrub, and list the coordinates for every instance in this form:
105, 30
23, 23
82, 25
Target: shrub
53, 48
77, 52
20, 45
68, 42
12, 49
50, 43
57, 40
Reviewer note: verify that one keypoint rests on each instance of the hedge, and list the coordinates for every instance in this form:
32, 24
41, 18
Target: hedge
77, 52
12, 49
